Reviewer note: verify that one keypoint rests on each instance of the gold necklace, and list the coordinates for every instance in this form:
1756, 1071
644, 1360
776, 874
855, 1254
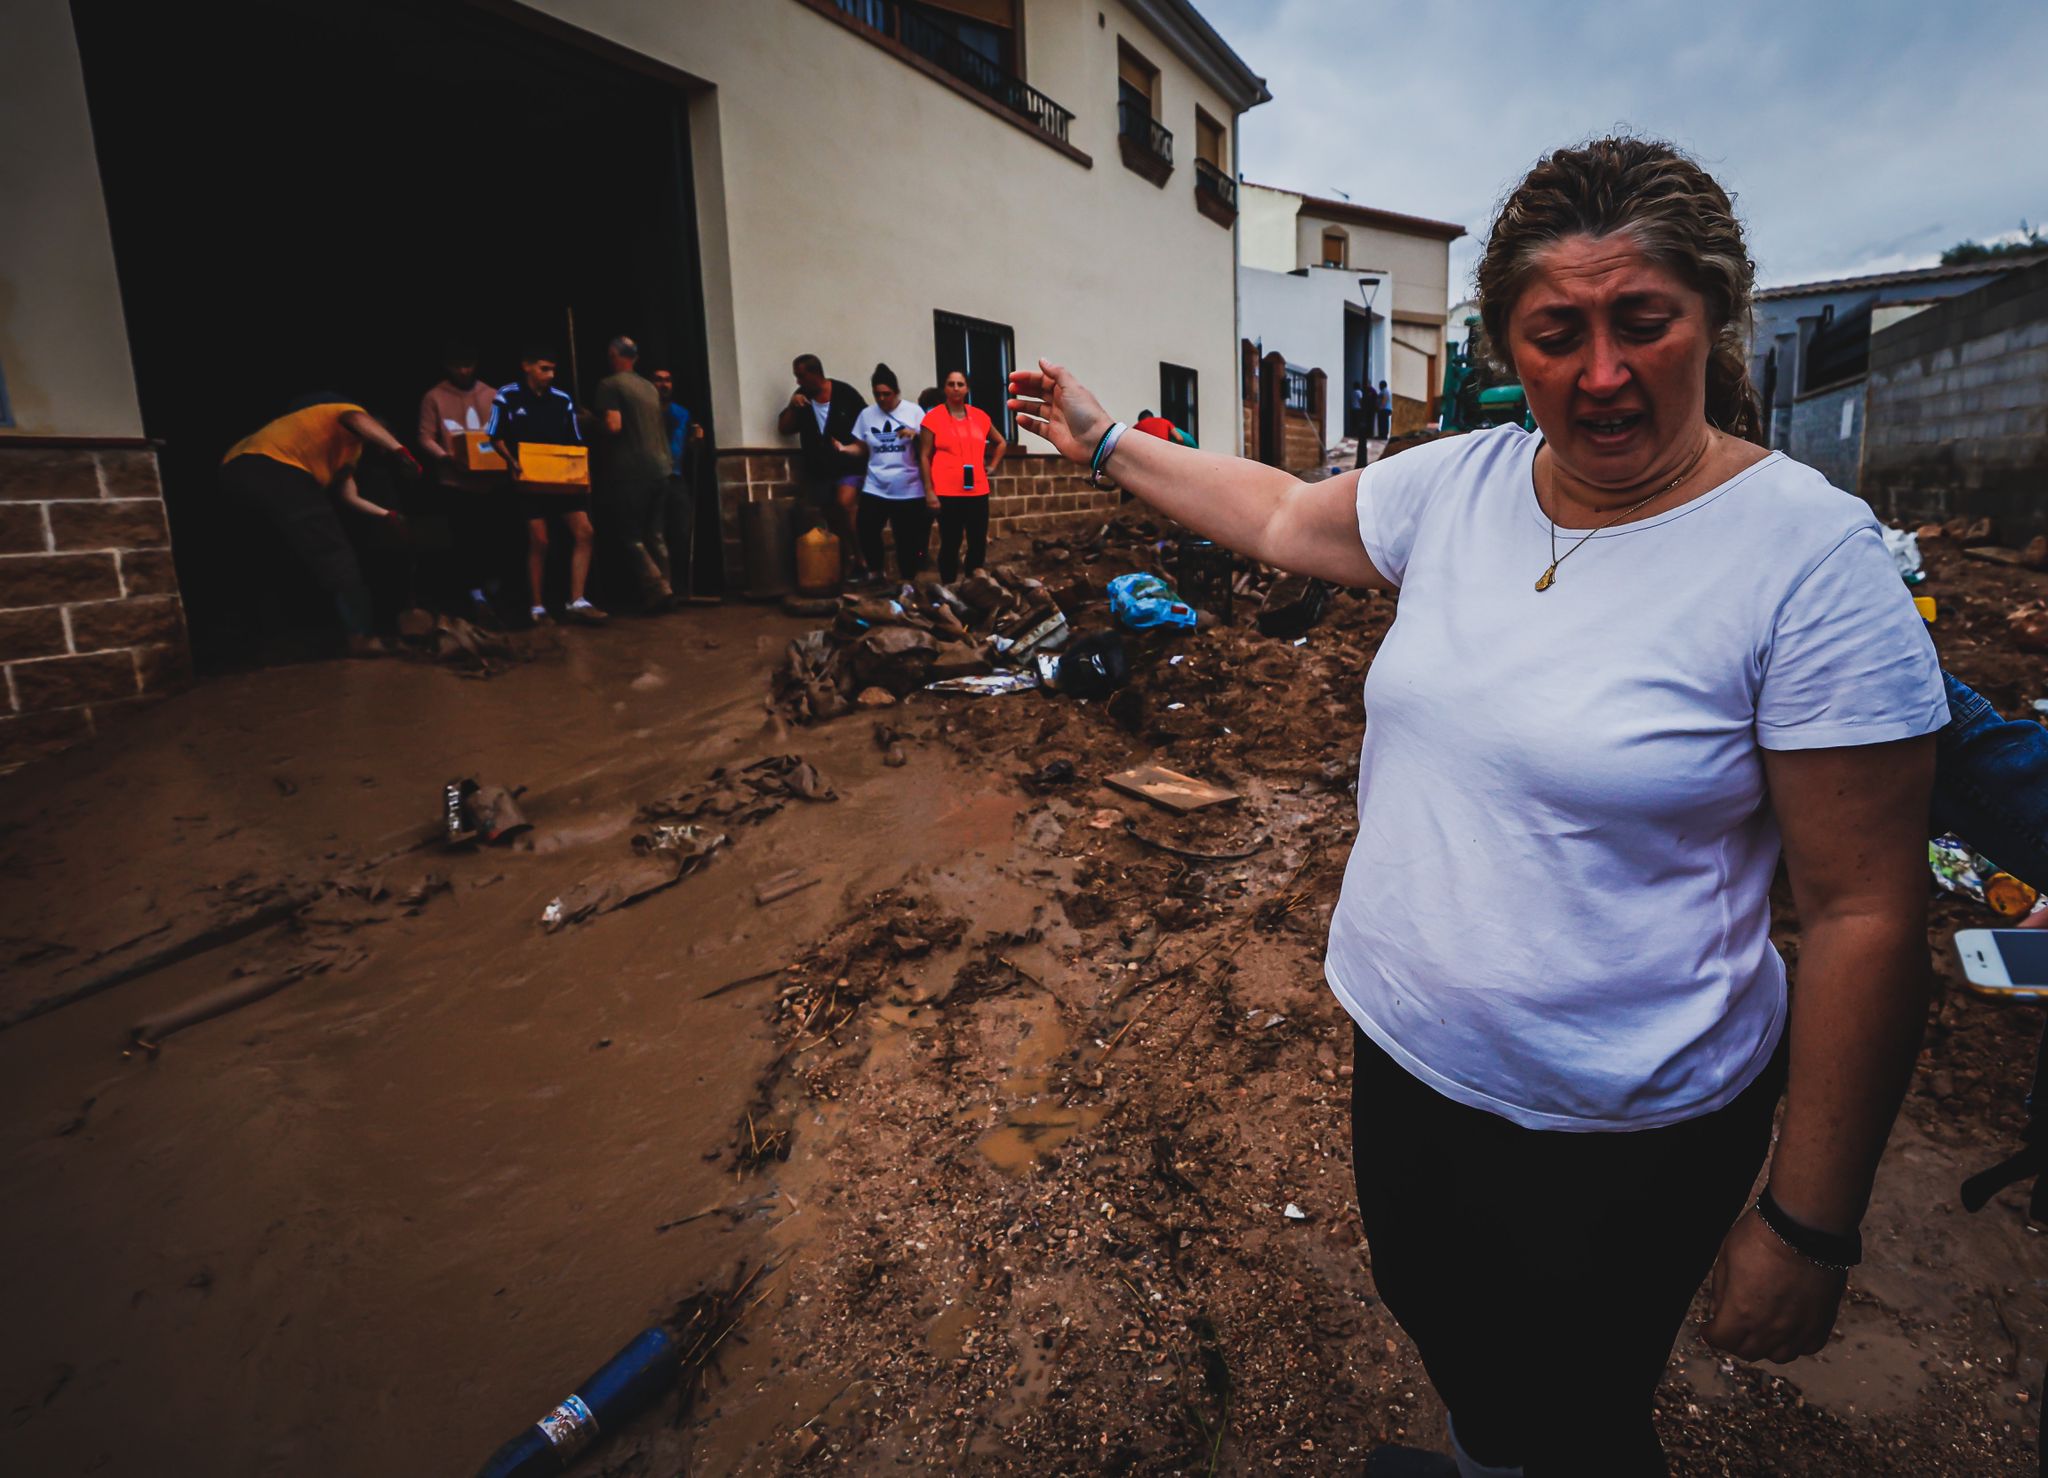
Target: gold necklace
1549, 577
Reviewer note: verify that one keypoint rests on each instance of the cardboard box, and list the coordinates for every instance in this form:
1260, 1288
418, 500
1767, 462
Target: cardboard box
474, 453
565, 467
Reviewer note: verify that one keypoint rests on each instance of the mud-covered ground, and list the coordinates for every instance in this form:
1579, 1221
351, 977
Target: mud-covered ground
1042, 1126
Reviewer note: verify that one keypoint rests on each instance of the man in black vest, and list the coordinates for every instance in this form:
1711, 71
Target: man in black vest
821, 415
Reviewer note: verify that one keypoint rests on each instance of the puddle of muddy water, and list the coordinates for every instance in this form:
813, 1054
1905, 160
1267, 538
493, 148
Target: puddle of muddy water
1036, 1122
1869, 1369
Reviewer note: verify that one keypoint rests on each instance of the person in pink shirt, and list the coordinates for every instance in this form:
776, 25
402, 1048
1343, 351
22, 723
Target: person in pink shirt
483, 515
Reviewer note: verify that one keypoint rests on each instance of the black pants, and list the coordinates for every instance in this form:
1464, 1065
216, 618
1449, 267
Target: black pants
908, 519
958, 516
679, 535
291, 502
631, 518
488, 526
1543, 1275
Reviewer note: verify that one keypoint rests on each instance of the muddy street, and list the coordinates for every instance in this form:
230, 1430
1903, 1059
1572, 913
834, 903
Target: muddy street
1028, 1092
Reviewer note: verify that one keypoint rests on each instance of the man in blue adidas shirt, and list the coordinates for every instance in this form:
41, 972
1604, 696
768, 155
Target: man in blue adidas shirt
532, 409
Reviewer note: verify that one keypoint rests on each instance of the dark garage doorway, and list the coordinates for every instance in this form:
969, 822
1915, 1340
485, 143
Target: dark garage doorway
309, 197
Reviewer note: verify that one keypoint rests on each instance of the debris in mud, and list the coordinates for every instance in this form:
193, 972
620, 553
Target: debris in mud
668, 853
678, 1352
472, 812
467, 647
988, 685
1052, 773
1258, 845
1169, 788
1292, 606
1144, 602
746, 795
2028, 626
779, 887
1093, 667
148, 1035
926, 636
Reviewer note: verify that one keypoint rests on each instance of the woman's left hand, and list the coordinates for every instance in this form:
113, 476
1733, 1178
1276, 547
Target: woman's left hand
1768, 1302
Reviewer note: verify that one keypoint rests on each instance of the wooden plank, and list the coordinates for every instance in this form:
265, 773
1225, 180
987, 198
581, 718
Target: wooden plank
1995, 554
773, 890
1169, 788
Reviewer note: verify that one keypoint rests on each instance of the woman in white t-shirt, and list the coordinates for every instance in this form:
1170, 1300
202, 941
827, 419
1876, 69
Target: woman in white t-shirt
893, 493
1636, 659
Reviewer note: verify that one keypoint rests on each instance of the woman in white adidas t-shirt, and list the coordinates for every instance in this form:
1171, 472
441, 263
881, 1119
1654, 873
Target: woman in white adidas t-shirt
1636, 659
892, 494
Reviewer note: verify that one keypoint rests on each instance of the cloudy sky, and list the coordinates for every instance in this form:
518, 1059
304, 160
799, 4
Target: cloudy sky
1857, 135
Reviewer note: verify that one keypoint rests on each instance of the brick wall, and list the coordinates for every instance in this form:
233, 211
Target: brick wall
1958, 409
1030, 492
90, 619
1409, 415
1304, 443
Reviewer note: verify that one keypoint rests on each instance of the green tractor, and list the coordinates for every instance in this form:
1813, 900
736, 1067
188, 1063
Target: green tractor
1476, 395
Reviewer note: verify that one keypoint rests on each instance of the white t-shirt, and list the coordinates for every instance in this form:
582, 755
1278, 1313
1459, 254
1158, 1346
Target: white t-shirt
822, 409
1557, 909
891, 438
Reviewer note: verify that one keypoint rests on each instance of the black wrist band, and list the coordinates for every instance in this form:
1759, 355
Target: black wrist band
1824, 1249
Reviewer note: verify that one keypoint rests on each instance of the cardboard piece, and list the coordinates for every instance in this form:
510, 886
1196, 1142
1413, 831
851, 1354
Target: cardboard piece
547, 465
1169, 788
473, 452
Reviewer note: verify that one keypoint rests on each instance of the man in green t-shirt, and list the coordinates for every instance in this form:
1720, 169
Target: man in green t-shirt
632, 471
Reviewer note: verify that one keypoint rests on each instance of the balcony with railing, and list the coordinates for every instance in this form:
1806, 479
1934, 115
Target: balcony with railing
1215, 193
1147, 145
908, 27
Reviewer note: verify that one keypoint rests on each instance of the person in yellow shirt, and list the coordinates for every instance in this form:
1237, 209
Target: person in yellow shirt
288, 474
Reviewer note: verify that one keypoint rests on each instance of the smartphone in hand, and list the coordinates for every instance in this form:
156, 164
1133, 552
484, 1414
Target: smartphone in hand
2011, 964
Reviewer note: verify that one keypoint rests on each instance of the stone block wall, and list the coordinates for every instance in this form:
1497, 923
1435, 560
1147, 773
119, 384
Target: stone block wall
1958, 409
1029, 493
1827, 432
90, 619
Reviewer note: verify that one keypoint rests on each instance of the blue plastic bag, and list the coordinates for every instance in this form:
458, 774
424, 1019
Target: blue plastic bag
1142, 602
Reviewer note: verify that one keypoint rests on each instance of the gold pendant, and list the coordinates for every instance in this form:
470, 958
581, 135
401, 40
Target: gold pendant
1547, 578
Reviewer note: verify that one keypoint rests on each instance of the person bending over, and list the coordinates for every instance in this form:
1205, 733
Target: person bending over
288, 475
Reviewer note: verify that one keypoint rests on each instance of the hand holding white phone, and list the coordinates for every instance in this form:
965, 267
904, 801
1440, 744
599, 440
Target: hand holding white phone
2009, 963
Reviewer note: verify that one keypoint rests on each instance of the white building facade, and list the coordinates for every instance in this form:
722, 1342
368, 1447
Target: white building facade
1354, 291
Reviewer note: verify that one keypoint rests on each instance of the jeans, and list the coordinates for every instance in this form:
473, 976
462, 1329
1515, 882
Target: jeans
1991, 784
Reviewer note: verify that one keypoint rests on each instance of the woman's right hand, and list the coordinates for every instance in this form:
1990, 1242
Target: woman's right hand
1051, 403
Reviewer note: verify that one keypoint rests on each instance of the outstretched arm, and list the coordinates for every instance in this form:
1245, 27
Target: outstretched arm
1260, 511
352, 496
